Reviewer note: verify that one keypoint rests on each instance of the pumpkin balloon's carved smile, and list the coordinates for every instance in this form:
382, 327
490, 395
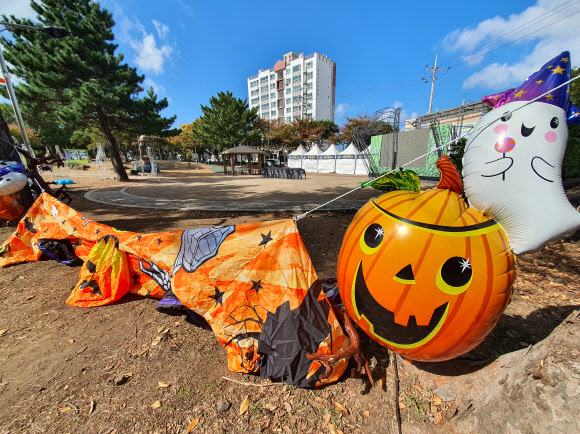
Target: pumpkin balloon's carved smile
382, 323
423, 274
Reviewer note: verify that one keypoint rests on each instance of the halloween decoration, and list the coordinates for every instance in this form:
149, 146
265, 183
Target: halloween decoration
423, 274
254, 284
12, 178
512, 166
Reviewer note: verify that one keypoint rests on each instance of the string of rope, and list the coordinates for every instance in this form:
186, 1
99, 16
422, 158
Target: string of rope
474, 130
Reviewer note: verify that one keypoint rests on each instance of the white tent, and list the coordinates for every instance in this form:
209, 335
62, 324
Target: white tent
327, 160
310, 159
346, 160
361, 167
295, 158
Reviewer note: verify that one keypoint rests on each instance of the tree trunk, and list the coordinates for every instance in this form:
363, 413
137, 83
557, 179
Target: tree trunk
112, 145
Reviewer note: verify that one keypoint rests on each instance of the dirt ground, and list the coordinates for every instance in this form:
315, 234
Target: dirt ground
128, 368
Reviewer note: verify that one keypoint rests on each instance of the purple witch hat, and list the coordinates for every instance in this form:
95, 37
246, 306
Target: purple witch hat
550, 76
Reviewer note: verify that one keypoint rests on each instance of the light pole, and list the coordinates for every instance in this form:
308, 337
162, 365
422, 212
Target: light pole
53, 32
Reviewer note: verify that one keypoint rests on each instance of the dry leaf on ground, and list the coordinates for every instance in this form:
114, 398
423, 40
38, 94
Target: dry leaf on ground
192, 425
163, 384
244, 406
340, 407
156, 405
3, 331
64, 409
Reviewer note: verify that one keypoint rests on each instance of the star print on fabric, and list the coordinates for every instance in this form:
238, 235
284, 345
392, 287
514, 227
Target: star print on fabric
575, 114
139, 237
465, 264
257, 285
218, 297
97, 232
558, 70
550, 97
135, 279
565, 59
520, 93
159, 241
539, 81
551, 66
266, 239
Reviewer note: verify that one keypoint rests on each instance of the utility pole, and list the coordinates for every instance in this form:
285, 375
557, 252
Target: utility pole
433, 78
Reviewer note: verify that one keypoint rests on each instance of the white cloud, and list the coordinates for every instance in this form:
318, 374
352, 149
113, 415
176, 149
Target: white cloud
342, 109
18, 8
162, 29
397, 104
186, 8
550, 39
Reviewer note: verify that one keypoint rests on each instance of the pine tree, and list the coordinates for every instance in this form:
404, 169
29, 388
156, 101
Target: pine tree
225, 123
79, 82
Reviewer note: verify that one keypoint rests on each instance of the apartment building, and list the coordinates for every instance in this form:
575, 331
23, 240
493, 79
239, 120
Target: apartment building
297, 87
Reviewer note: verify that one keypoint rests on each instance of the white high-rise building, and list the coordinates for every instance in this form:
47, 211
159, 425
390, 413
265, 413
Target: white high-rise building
297, 87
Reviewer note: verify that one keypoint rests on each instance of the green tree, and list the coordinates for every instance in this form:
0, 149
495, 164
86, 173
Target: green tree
226, 122
571, 163
8, 113
79, 81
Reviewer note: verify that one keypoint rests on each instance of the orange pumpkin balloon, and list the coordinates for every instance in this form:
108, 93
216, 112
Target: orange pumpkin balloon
424, 275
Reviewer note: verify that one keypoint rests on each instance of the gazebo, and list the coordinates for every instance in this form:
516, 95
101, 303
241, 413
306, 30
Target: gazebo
243, 150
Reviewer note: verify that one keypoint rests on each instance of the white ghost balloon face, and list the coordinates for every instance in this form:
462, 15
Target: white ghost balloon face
513, 173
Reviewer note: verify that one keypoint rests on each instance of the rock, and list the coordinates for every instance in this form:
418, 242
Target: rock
560, 280
222, 406
533, 390
445, 393
119, 379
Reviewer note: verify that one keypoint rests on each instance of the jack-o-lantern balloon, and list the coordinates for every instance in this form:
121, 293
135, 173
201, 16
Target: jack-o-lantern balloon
424, 275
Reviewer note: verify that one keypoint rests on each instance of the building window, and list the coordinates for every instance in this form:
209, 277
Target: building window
263, 79
308, 86
309, 95
307, 115
297, 78
265, 106
309, 65
255, 92
297, 88
309, 75
264, 88
296, 108
296, 98
253, 83
288, 109
273, 113
288, 118
296, 68
288, 71
272, 85
264, 97
273, 95
288, 90
287, 82
272, 76
265, 115
273, 104
288, 100
255, 100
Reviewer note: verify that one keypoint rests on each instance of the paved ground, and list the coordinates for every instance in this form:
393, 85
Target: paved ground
182, 187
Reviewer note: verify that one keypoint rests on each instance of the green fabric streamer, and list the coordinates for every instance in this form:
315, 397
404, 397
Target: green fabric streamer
401, 180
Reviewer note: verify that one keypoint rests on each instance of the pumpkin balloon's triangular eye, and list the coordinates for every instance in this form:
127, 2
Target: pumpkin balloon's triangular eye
405, 275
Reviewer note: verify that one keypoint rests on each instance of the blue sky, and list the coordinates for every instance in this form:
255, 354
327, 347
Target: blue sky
189, 50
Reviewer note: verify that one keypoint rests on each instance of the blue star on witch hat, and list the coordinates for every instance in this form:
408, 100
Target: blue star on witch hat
554, 73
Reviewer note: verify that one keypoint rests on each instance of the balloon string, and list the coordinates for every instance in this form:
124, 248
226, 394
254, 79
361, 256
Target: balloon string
473, 130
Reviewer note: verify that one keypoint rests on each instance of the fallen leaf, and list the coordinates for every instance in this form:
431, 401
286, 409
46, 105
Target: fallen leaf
71, 341
326, 420
176, 324
128, 374
30, 297
366, 413
66, 387
156, 405
160, 329
436, 400
244, 406
288, 407
270, 407
340, 407
331, 428
92, 408
192, 425
64, 409
381, 383
3, 331
43, 314
438, 419
163, 384
156, 341
552, 283
402, 405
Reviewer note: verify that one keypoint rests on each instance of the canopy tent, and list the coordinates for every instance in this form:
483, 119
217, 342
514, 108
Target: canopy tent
346, 160
295, 157
361, 165
327, 160
310, 159
242, 150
